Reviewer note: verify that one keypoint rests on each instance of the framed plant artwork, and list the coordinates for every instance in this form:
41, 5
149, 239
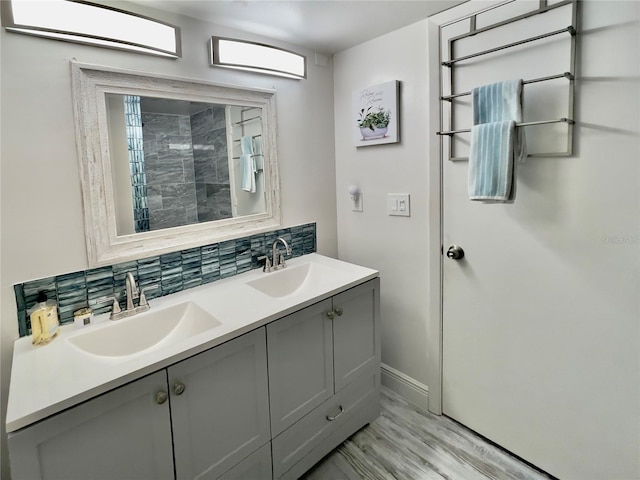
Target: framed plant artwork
375, 115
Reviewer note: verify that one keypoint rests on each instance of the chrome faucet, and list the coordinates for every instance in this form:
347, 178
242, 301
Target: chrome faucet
131, 290
132, 293
277, 259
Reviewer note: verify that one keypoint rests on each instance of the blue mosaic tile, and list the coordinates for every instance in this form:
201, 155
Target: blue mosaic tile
258, 249
20, 299
169, 273
47, 285
149, 271
24, 324
309, 240
210, 263
243, 255
72, 294
191, 268
227, 254
97, 277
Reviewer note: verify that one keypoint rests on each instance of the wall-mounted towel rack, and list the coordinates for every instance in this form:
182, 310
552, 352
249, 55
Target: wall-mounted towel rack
449, 64
240, 122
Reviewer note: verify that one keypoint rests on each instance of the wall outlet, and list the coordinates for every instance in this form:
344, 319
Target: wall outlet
398, 204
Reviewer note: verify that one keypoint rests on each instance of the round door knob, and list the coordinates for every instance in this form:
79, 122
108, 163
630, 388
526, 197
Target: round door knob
178, 388
331, 314
338, 311
161, 397
455, 252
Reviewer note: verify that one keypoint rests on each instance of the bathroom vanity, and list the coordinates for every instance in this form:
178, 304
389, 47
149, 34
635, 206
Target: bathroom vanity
255, 376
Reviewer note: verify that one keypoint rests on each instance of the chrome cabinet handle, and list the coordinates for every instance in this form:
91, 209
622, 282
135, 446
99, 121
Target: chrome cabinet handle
331, 419
179, 388
339, 311
331, 314
161, 397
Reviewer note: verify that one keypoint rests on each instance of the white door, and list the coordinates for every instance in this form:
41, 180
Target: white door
540, 317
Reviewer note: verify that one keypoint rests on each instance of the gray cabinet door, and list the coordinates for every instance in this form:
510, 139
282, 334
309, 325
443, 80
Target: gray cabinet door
121, 434
222, 415
256, 466
300, 364
356, 342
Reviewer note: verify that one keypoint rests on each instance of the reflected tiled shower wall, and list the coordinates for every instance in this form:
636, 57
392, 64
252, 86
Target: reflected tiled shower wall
133, 125
211, 162
187, 171
172, 272
168, 156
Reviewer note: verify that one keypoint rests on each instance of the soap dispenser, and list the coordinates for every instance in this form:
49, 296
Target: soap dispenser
44, 320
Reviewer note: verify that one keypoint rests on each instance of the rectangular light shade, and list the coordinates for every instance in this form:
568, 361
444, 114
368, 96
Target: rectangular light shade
88, 23
256, 57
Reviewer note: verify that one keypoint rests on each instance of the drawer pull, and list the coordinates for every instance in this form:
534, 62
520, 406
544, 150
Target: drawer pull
161, 397
338, 311
331, 314
331, 419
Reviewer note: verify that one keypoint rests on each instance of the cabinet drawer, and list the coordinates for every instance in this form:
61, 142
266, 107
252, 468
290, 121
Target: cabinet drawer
298, 440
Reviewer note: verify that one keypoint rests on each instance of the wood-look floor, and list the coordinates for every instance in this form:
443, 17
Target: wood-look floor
407, 443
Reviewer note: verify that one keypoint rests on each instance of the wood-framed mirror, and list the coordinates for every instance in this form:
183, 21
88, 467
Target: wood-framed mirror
171, 163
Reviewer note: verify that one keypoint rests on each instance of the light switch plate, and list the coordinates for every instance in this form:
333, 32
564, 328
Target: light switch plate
398, 204
357, 203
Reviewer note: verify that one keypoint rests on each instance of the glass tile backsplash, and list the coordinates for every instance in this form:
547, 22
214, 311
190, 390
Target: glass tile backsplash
169, 273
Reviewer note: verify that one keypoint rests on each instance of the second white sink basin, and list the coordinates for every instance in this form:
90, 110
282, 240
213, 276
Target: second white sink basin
145, 330
292, 279
283, 282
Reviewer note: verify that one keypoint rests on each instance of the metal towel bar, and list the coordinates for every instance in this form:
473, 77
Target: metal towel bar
569, 29
566, 75
525, 124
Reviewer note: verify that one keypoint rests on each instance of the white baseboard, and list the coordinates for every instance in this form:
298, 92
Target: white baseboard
415, 392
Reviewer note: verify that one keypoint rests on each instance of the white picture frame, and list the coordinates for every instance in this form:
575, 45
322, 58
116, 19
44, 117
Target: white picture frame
375, 112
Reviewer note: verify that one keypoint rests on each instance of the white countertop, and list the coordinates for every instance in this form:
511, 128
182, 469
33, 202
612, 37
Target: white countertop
48, 379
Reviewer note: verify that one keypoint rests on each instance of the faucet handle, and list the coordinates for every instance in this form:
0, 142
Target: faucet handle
281, 263
115, 307
143, 298
267, 263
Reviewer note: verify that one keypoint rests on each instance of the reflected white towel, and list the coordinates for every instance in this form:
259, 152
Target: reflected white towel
248, 165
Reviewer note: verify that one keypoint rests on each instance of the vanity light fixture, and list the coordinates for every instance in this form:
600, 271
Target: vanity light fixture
93, 24
256, 57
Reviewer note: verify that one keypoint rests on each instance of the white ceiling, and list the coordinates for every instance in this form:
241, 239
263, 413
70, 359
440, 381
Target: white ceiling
325, 26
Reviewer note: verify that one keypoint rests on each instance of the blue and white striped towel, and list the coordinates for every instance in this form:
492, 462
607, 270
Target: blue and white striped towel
496, 144
491, 165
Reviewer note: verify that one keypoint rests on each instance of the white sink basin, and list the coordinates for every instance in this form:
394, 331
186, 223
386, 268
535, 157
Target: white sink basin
284, 282
145, 330
305, 276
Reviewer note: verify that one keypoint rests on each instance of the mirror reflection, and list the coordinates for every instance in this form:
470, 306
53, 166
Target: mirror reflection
178, 162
